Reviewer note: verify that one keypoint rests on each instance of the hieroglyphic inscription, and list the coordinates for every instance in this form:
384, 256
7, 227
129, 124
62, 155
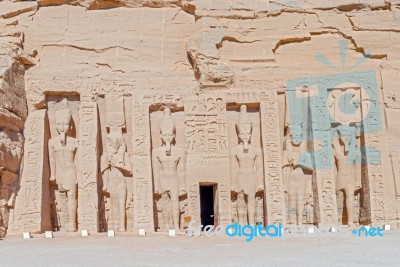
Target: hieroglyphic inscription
88, 159
141, 162
32, 211
206, 125
274, 195
375, 179
327, 213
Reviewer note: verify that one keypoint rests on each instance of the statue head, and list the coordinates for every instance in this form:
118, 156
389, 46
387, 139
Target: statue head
63, 123
244, 127
115, 139
347, 138
296, 134
167, 130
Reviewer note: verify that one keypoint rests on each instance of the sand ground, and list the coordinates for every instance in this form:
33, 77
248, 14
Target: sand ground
160, 250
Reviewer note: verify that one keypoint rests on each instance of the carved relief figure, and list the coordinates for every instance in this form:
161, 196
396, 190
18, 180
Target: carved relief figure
63, 171
114, 165
169, 169
348, 162
247, 173
298, 163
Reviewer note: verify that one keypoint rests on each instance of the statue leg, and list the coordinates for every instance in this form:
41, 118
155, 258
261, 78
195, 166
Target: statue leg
292, 199
175, 207
122, 205
349, 192
301, 193
72, 209
165, 213
114, 208
339, 201
241, 208
251, 208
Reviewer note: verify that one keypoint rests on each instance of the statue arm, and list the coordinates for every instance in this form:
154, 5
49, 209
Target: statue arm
182, 172
259, 170
234, 169
156, 172
52, 161
76, 162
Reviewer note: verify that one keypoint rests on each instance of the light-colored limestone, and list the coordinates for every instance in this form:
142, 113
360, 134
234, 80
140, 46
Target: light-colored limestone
118, 65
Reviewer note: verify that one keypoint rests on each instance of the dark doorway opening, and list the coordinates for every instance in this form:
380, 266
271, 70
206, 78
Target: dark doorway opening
207, 196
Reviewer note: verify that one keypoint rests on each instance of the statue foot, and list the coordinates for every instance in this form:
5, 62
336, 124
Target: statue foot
122, 229
72, 229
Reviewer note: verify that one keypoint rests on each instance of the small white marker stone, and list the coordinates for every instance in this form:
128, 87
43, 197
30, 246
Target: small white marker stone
142, 232
311, 230
84, 232
48, 234
367, 227
110, 233
171, 233
26, 235
386, 227
332, 229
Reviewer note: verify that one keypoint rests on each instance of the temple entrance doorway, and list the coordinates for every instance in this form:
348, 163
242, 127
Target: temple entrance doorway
208, 204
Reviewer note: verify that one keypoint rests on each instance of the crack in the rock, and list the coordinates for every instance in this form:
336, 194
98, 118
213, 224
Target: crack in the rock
233, 40
88, 49
290, 40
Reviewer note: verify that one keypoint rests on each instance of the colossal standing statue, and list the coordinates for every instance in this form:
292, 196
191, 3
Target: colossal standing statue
297, 160
115, 163
347, 153
247, 172
169, 170
63, 171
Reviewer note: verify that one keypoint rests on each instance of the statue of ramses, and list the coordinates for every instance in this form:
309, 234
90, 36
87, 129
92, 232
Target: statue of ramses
63, 171
346, 148
247, 170
169, 171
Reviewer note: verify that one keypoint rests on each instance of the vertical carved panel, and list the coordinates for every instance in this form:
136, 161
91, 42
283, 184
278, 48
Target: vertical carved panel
194, 202
88, 166
141, 162
324, 178
224, 198
32, 208
395, 155
274, 195
375, 181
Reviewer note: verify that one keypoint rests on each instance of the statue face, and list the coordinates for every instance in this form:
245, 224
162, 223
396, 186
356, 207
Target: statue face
245, 133
62, 125
115, 142
296, 134
345, 141
167, 136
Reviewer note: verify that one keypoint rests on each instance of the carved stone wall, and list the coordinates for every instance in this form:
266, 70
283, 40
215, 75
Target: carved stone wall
202, 61
32, 208
88, 159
